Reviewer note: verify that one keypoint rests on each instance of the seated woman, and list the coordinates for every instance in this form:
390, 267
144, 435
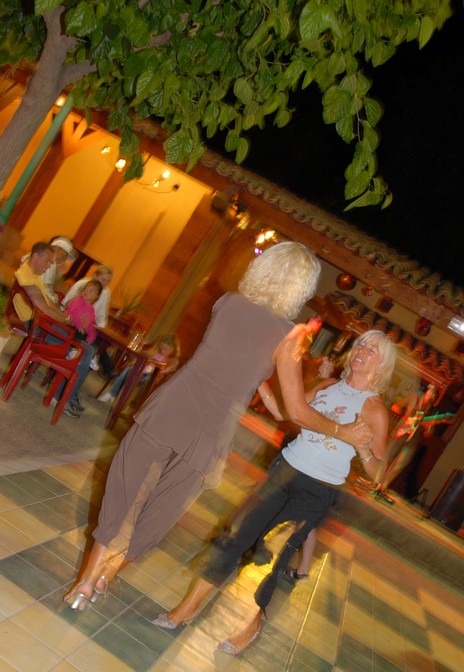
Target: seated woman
165, 358
305, 477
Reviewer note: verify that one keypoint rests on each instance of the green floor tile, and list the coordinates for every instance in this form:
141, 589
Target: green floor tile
17, 495
49, 517
127, 649
88, 621
32, 485
352, 656
48, 563
28, 578
305, 660
138, 627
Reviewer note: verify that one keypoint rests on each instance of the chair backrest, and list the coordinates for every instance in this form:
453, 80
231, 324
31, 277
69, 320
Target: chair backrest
16, 325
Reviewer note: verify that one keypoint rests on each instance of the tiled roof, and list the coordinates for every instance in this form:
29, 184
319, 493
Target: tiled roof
447, 368
383, 257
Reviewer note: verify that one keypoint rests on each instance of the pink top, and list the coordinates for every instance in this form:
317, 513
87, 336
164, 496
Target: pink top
82, 314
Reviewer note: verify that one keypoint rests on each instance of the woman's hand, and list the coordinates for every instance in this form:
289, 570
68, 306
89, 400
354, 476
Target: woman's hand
326, 368
296, 342
357, 434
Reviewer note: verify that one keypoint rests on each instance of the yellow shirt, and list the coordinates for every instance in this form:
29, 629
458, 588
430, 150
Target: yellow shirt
26, 278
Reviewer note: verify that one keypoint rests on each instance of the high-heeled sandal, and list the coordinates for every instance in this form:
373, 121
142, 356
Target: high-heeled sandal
163, 621
100, 593
293, 576
232, 650
77, 600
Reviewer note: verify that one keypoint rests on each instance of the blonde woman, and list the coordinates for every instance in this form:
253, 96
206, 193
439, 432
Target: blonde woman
181, 436
304, 478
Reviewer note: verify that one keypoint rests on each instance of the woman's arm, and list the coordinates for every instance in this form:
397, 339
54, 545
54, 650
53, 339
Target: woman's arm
373, 459
269, 400
287, 358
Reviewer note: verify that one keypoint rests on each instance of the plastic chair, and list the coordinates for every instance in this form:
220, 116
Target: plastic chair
15, 325
34, 351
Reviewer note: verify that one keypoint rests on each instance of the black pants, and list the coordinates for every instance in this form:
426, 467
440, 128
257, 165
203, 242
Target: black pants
287, 495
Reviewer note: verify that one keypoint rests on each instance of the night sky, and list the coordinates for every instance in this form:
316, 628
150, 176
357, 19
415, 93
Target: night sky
420, 155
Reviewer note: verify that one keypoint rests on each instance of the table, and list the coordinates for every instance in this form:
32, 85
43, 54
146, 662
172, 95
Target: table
139, 358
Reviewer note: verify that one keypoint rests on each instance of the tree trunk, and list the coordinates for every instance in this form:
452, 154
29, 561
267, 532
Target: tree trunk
43, 88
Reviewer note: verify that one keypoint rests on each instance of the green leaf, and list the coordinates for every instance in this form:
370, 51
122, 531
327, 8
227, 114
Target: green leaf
387, 200
363, 84
148, 82
189, 53
42, 6
315, 20
360, 8
282, 117
231, 142
370, 138
337, 105
427, 27
128, 144
215, 55
81, 20
278, 99
195, 155
368, 198
344, 129
374, 111
243, 90
357, 185
382, 53
134, 171
178, 147
116, 119
211, 114
242, 150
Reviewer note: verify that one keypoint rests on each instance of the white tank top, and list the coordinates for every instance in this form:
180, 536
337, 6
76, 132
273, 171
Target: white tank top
321, 456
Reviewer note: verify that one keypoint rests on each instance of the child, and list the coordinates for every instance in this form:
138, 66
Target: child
82, 313
165, 357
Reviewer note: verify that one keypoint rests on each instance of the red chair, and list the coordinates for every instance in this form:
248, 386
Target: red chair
15, 325
34, 351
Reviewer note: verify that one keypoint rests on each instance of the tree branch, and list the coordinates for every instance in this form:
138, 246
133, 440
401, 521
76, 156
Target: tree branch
73, 72
55, 36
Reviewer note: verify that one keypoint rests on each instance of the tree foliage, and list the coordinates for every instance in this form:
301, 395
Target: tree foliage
204, 66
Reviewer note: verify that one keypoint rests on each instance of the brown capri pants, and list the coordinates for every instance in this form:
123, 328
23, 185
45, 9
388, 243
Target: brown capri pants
149, 487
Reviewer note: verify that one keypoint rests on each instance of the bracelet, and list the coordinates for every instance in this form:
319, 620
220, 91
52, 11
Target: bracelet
266, 396
336, 429
368, 458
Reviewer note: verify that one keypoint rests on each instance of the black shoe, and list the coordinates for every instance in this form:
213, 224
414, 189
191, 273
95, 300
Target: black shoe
70, 412
108, 375
292, 575
76, 405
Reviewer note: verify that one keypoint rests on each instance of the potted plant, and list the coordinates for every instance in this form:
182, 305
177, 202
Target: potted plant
127, 303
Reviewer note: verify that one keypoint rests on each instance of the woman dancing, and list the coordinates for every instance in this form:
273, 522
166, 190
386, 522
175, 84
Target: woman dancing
304, 478
182, 434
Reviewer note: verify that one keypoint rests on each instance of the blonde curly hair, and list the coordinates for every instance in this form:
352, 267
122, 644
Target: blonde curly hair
382, 374
283, 278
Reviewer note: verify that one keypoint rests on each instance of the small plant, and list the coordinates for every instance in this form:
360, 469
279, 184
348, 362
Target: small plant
128, 301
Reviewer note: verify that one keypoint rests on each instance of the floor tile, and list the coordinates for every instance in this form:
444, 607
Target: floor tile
24, 652
362, 609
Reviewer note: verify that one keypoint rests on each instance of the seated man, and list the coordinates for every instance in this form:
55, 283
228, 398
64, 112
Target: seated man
29, 276
63, 251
